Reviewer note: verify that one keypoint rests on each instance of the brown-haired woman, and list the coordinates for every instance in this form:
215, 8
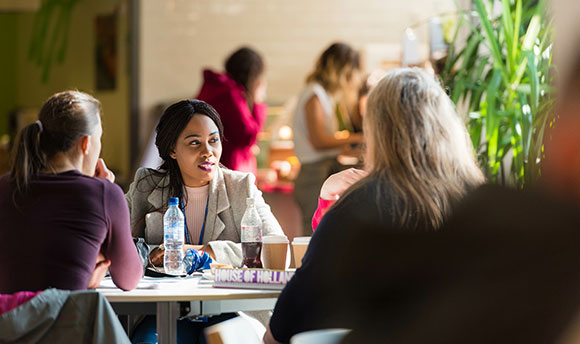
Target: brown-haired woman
315, 124
61, 211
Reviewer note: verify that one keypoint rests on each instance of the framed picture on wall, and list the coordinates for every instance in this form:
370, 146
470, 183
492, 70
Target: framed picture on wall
106, 51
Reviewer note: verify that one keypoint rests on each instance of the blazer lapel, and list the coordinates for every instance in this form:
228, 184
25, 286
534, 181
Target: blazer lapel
218, 202
156, 198
154, 220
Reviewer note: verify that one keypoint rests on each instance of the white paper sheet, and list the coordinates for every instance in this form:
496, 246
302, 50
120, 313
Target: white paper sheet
154, 282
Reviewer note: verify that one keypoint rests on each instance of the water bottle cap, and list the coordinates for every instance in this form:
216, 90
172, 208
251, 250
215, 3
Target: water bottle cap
173, 201
250, 201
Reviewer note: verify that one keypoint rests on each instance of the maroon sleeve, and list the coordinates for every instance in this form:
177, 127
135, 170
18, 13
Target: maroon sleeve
126, 269
247, 123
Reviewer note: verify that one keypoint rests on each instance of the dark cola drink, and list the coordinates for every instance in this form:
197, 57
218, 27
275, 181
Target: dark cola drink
251, 252
251, 236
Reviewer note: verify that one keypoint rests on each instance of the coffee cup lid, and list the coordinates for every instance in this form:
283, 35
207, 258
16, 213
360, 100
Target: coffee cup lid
301, 240
274, 239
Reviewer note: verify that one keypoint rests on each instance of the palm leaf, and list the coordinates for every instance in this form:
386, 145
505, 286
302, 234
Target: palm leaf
507, 86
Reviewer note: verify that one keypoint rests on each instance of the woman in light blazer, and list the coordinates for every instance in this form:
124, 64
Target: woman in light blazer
213, 198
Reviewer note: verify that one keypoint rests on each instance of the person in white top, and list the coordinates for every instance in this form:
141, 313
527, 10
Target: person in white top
315, 124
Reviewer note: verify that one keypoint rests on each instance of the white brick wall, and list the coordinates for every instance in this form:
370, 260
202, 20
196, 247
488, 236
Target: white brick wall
567, 39
181, 37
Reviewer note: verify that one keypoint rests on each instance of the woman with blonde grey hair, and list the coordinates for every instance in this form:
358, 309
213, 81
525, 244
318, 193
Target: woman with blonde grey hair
419, 163
419, 151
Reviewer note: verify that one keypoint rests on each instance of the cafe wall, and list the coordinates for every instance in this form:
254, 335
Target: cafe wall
8, 57
21, 86
181, 37
567, 38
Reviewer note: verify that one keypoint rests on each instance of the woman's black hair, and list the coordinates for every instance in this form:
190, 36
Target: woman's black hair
172, 123
245, 66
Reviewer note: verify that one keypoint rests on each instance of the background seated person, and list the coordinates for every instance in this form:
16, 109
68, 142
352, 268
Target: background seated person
61, 211
419, 161
189, 137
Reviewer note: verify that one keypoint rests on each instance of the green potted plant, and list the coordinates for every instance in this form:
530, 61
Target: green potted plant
502, 75
49, 38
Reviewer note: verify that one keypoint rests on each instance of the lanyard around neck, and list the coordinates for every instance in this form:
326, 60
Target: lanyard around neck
182, 206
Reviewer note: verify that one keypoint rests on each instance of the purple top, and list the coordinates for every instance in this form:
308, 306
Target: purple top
53, 236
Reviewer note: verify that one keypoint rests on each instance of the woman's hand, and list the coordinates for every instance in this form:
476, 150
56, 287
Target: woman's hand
156, 255
99, 272
268, 337
318, 136
103, 172
260, 91
336, 184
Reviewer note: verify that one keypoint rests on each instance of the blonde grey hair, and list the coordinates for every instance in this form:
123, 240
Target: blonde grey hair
418, 148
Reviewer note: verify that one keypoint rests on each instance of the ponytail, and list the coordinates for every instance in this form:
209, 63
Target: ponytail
29, 158
63, 119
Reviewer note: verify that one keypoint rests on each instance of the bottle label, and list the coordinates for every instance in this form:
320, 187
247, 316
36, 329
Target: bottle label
251, 233
174, 232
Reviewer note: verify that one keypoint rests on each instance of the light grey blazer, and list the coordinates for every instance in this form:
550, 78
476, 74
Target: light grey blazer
227, 203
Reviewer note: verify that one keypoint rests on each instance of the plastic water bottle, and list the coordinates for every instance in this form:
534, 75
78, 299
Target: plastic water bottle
173, 238
251, 236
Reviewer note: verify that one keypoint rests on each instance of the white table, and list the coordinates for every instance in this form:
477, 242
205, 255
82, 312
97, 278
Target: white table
172, 299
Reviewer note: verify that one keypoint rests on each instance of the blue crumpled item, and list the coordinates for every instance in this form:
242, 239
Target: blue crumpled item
195, 260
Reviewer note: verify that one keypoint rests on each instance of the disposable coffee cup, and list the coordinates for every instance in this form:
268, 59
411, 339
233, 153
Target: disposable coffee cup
299, 246
275, 253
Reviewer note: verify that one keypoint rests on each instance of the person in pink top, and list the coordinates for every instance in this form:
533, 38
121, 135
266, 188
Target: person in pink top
238, 96
331, 190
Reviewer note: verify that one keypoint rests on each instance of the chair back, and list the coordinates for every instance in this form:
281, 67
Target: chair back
325, 336
239, 330
61, 316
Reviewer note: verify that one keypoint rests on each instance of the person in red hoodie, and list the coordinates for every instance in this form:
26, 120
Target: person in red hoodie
238, 96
